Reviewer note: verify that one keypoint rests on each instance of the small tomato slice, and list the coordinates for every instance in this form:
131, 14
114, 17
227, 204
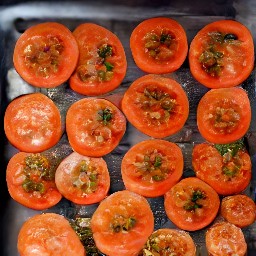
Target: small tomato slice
169, 242
32, 123
159, 45
102, 62
239, 210
152, 167
224, 115
30, 181
94, 126
222, 54
82, 179
45, 55
226, 174
48, 234
156, 105
191, 204
122, 224
225, 239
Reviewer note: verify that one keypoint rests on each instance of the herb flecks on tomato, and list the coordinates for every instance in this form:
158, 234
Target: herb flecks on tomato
195, 201
122, 223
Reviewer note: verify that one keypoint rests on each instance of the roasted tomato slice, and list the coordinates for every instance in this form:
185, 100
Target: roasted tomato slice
228, 174
191, 204
159, 45
224, 115
94, 126
45, 55
82, 179
32, 123
102, 62
222, 54
122, 224
156, 105
152, 167
30, 180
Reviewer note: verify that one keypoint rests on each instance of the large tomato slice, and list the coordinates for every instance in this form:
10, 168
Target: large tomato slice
102, 62
82, 179
156, 105
228, 174
94, 126
222, 54
48, 234
224, 115
191, 204
122, 224
152, 167
32, 123
45, 55
159, 45
30, 180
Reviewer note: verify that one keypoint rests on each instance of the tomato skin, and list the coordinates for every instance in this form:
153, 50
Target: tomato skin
181, 195
15, 176
239, 210
208, 165
172, 241
231, 126
48, 234
67, 60
171, 159
89, 38
37, 125
87, 134
225, 239
236, 70
143, 117
128, 205
177, 53
66, 175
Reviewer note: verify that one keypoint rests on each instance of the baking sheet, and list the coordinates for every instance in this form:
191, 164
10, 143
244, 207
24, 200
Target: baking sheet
120, 19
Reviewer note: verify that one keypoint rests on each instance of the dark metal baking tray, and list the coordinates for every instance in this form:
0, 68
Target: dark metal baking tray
120, 17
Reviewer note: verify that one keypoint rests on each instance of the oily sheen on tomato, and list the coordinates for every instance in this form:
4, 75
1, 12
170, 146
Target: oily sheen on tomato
32, 123
151, 167
30, 180
156, 105
102, 61
48, 234
222, 54
122, 224
224, 115
228, 174
191, 204
159, 45
94, 126
82, 179
46, 54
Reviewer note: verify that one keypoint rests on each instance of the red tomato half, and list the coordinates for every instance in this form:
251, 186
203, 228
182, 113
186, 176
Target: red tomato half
122, 224
82, 179
222, 54
32, 123
239, 210
224, 115
191, 204
48, 234
102, 62
94, 126
156, 105
159, 45
225, 239
226, 174
30, 181
169, 242
152, 167
45, 55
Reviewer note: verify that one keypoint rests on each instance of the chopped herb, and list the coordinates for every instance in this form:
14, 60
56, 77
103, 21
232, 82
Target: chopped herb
158, 161
193, 204
108, 66
30, 186
231, 148
105, 115
105, 51
122, 224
